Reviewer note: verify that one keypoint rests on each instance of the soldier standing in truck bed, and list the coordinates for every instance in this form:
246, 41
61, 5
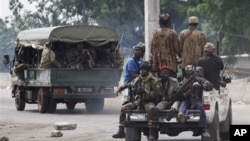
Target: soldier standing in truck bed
192, 42
165, 46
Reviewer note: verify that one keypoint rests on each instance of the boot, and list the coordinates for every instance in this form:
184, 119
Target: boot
120, 134
171, 114
181, 117
152, 134
205, 133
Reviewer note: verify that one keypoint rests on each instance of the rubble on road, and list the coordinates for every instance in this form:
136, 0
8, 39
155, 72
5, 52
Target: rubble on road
56, 133
65, 126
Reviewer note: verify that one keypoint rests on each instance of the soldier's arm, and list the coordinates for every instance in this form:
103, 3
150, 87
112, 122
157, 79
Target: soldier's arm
181, 39
155, 92
176, 44
203, 42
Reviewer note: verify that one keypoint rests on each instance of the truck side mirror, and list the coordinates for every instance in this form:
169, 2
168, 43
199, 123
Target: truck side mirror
6, 59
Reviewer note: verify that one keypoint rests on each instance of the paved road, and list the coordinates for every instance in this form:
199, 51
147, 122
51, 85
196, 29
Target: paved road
30, 125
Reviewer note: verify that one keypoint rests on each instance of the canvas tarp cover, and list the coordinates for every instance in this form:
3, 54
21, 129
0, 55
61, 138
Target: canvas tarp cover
94, 35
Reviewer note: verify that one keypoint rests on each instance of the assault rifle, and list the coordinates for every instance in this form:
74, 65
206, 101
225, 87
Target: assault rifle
188, 85
133, 91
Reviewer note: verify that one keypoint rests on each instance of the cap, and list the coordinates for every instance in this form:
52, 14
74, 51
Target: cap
209, 47
138, 46
193, 20
165, 68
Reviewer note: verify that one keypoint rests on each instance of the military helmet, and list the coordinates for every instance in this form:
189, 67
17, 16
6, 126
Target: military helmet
209, 47
193, 20
145, 65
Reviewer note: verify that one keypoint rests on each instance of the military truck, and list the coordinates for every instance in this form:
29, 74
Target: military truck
77, 79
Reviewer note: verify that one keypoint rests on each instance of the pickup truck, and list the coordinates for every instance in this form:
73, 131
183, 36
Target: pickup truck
218, 108
69, 83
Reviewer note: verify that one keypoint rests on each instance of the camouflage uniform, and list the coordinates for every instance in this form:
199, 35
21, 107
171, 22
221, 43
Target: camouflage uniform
19, 62
192, 42
167, 89
151, 87
164, 48
48, 58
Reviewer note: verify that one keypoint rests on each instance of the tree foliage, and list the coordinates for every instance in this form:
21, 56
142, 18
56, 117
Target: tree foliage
235, 20
127, 18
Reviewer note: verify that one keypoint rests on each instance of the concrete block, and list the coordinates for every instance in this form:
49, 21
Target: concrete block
65, 126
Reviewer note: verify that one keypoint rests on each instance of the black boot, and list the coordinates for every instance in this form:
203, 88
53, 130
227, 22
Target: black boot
153, 134
120, 134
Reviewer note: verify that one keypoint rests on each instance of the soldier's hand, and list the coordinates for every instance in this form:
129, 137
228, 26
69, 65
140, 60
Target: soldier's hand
118, 91
120, 88
196, 84
140, 90
188, 93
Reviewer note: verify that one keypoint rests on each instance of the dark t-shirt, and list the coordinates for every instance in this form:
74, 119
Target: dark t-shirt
212, 65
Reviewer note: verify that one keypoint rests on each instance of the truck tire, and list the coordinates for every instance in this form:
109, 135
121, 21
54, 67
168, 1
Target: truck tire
94, 105
225, 130
213, 129
52, 105
20, 100
43, 100
70, 105
132, 134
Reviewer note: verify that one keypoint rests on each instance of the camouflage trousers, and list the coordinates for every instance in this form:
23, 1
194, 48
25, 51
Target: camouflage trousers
19, 70
149, 108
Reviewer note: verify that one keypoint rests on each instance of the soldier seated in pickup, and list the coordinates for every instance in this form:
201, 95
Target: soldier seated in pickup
169, 86
192, 98
148, 89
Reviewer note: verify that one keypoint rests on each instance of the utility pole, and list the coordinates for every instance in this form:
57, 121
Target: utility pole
152, 11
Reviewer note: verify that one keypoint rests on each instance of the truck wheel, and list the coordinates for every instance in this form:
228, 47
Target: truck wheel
133, 134
20, 100
70, 105
224, 134
94, 105
43, 100
213, 129
52, 105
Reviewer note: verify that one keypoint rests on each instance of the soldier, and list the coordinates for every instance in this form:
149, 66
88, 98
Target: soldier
169, 86
212, 65
165, 46
48, 58
20, 64
148, 89
192, 99
131, 69
192, 42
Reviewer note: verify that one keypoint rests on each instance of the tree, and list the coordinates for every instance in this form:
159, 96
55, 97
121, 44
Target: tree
233, 15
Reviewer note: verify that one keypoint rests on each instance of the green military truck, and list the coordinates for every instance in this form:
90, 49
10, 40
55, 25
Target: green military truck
73, 81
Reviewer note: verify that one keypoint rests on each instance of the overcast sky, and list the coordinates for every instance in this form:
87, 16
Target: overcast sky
5, 11
4, 8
